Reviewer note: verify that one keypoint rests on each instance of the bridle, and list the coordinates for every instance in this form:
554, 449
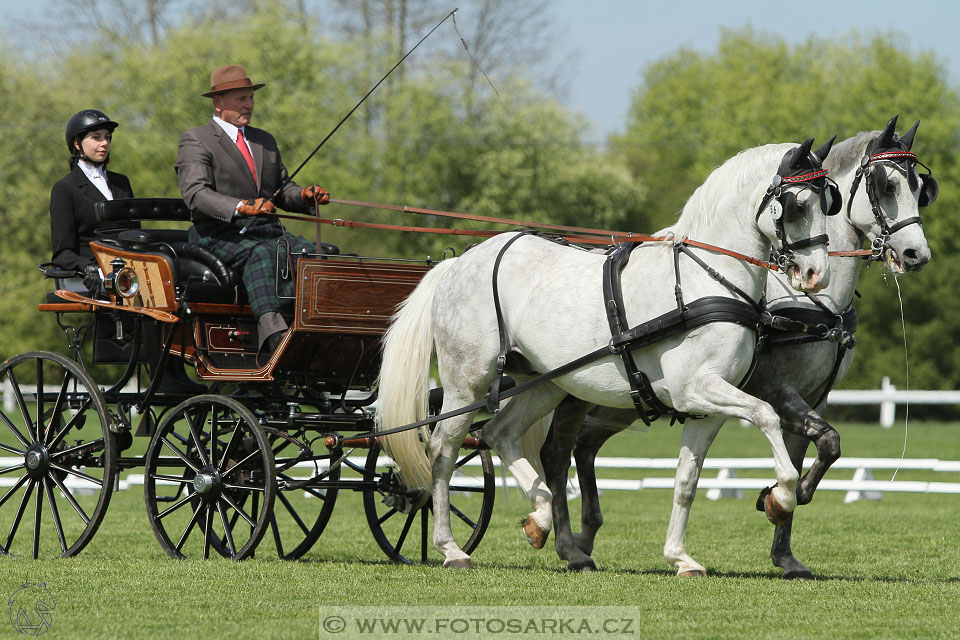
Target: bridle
872, 168
784, 205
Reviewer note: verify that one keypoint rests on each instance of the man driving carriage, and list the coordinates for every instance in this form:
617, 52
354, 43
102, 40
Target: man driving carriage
228, 173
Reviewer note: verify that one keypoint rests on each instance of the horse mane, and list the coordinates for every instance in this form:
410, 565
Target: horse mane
846, 154
729, 187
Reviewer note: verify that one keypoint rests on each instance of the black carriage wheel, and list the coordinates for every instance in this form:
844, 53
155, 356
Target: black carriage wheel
209, 479
56, 447
405, 533
301, 511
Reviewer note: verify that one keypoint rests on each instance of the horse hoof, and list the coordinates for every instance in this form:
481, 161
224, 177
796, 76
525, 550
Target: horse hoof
692, 573
535, 534
458, 563
775, 513
798, 575
584, 566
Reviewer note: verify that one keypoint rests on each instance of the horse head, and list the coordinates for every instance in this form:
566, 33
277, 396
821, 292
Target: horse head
792, 215
894, 191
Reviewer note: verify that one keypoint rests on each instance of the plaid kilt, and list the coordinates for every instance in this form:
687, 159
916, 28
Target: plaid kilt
254, 255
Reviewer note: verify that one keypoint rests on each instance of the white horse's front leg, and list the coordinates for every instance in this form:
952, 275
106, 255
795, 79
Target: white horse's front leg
444, 447
696, 439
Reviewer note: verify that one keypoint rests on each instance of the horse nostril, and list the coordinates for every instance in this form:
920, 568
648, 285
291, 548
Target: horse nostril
911, 256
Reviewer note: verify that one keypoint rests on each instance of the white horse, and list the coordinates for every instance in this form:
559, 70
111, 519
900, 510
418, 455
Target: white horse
553, 313
794, 376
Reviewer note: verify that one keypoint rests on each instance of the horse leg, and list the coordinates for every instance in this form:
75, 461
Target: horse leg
555, 456
780, 552
711, 394
694, 443
600, 424
505, 434
801, 425
445, 445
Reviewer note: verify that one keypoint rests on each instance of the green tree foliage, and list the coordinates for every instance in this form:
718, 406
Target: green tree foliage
694, 110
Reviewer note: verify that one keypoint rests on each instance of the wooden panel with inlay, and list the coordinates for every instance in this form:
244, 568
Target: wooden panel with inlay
352, 297
153, 272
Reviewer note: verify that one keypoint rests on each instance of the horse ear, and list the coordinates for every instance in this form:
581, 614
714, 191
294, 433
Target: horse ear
824, 150
907, 139
800, 153
885, 141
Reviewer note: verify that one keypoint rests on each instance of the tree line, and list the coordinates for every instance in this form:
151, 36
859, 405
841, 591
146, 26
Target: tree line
438, 136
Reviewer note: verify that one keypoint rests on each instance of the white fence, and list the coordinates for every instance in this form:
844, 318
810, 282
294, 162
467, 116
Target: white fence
887, 397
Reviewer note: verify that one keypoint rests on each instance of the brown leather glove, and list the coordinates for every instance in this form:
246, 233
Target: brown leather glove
315, 193
258, 207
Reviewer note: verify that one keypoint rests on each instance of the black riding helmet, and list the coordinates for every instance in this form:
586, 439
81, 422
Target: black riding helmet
83, 122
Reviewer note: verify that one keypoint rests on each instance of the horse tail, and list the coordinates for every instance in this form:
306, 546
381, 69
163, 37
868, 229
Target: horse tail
403, 387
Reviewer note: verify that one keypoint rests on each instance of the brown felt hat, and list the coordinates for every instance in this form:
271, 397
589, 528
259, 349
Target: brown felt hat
229, 78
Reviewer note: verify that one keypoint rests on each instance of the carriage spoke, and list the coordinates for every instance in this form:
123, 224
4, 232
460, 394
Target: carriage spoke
69, 496
180, 455
244, 487
13, 489
467, 458
20, 511
93, 444
55, 512
9, 449
41, 437
57, 406
463, 516
196, 437
78, 474
184, 500
177, 479
239, 510
189, 528
13, 428
293, 512
7, 470
57, 439
389, 514
406, 529
276, 535
227, 450
227, 529
466, 489
21, 403
36, 523
242, 462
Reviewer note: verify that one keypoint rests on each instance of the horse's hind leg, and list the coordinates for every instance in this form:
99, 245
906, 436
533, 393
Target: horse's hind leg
599, 425
555, 456
505, 434
445, 444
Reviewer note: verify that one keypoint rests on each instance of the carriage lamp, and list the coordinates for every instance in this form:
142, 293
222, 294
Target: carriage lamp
122, 281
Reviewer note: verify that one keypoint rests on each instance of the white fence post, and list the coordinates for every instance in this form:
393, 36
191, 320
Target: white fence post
888, 408
7, 391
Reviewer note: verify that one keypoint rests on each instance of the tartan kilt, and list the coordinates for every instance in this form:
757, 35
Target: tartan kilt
254, 255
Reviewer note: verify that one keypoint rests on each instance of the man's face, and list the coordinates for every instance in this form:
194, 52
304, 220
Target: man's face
235, 107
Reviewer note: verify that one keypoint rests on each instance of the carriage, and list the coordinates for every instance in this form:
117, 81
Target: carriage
262, 456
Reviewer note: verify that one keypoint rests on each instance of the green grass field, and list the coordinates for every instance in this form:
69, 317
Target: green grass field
886, 569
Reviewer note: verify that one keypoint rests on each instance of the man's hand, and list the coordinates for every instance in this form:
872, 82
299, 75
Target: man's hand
315, 193
258, 207
91, 278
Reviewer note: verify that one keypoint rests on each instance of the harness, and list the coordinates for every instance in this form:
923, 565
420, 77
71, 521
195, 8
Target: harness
802, 325
891, 158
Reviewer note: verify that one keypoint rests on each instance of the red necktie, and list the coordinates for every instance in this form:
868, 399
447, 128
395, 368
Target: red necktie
245, 152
